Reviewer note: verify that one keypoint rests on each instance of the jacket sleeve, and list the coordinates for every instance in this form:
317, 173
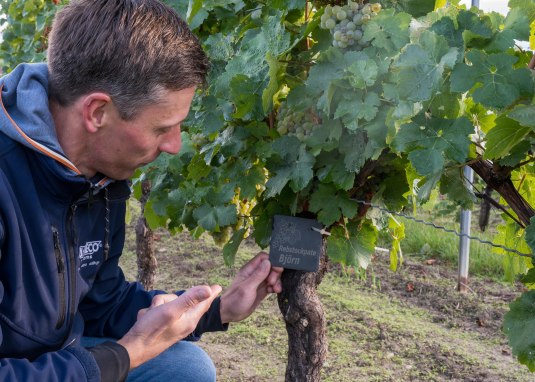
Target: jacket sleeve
70, 364
110, 308
73, 363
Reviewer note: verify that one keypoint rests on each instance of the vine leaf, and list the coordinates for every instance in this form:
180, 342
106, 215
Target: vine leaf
519, 326
231, 247
503, 137
354, 147
357, 106
524, 114
518, 21
397, 233
431, 141
211, 218
330, 204
273, 86
419, 69
363, 72
453, 184
530, 234
388, 30
496, 83
296, 168
354, 247
244, 92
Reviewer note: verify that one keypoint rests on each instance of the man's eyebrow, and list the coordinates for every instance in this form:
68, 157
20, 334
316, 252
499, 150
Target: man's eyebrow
168, 126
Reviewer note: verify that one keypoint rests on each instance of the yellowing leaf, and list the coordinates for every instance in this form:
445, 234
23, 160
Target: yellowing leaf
532, 36
440, 3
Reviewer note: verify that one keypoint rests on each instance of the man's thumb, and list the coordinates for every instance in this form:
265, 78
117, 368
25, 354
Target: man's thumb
261, 271
194, 296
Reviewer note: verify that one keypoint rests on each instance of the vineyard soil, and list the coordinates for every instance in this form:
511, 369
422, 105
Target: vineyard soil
406, 326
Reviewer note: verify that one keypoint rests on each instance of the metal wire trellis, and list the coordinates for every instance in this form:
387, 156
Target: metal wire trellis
363, 202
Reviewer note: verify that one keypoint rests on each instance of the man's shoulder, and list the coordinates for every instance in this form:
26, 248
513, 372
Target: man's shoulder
6, 144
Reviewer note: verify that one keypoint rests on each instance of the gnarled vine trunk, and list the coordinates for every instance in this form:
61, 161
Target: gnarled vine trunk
499, 179
305, 322
146, 261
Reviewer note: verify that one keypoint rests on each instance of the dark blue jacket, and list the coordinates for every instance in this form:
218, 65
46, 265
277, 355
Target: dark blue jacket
61, 236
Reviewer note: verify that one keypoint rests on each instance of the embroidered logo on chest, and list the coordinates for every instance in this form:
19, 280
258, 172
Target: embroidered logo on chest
87, 251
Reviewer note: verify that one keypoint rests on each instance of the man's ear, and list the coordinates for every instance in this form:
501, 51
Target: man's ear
96, 106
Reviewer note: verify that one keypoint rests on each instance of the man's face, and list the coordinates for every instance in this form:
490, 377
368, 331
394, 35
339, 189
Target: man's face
123, 146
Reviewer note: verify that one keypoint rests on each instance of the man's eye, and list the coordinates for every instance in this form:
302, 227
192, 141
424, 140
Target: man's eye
163, 131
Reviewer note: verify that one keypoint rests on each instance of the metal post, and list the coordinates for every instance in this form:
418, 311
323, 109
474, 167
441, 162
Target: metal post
464, 243
475, 3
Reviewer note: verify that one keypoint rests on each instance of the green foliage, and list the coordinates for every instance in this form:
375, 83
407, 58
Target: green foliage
519, 325
25, 24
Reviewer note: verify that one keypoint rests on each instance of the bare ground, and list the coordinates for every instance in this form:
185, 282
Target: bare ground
411, 325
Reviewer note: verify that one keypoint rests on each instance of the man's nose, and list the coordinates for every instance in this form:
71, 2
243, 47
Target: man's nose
172, 142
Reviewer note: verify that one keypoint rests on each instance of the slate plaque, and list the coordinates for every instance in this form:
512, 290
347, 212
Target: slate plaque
295, 244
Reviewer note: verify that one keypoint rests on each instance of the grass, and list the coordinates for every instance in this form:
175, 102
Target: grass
424, 241
428, 242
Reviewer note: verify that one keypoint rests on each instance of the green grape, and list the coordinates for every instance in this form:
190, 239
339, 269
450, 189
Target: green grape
351, 26
337, 35
341, 15
330, 24
328, 10
357, 35
366, 18
354, 6
357, 19
282, 129
366, 9
336, 9
376, 7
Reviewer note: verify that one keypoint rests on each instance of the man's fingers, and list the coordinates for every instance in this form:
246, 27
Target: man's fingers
160, 299
274, 276
195, 295
260, 273
192, 297
250, 267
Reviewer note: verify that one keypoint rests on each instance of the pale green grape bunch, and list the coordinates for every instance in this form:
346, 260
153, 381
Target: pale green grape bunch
198, 139
346, 22
296, 123
223, 236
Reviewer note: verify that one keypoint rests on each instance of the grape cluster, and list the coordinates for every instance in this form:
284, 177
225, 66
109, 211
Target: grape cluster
346, 22
198, 139
223, 236
297, 123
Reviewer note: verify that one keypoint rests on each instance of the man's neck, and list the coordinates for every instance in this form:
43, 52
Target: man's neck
72, 137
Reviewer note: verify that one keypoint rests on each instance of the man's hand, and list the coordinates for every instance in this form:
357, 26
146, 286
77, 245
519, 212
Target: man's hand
254, 281
169, 319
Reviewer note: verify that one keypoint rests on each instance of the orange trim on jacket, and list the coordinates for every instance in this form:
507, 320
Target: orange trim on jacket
39, 147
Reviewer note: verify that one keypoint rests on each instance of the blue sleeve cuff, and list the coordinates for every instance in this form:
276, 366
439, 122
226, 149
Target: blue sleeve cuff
209, 322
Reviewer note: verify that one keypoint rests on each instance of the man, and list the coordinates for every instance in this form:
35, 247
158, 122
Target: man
120, 79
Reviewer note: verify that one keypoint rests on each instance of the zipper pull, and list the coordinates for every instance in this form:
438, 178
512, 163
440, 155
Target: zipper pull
57, 249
